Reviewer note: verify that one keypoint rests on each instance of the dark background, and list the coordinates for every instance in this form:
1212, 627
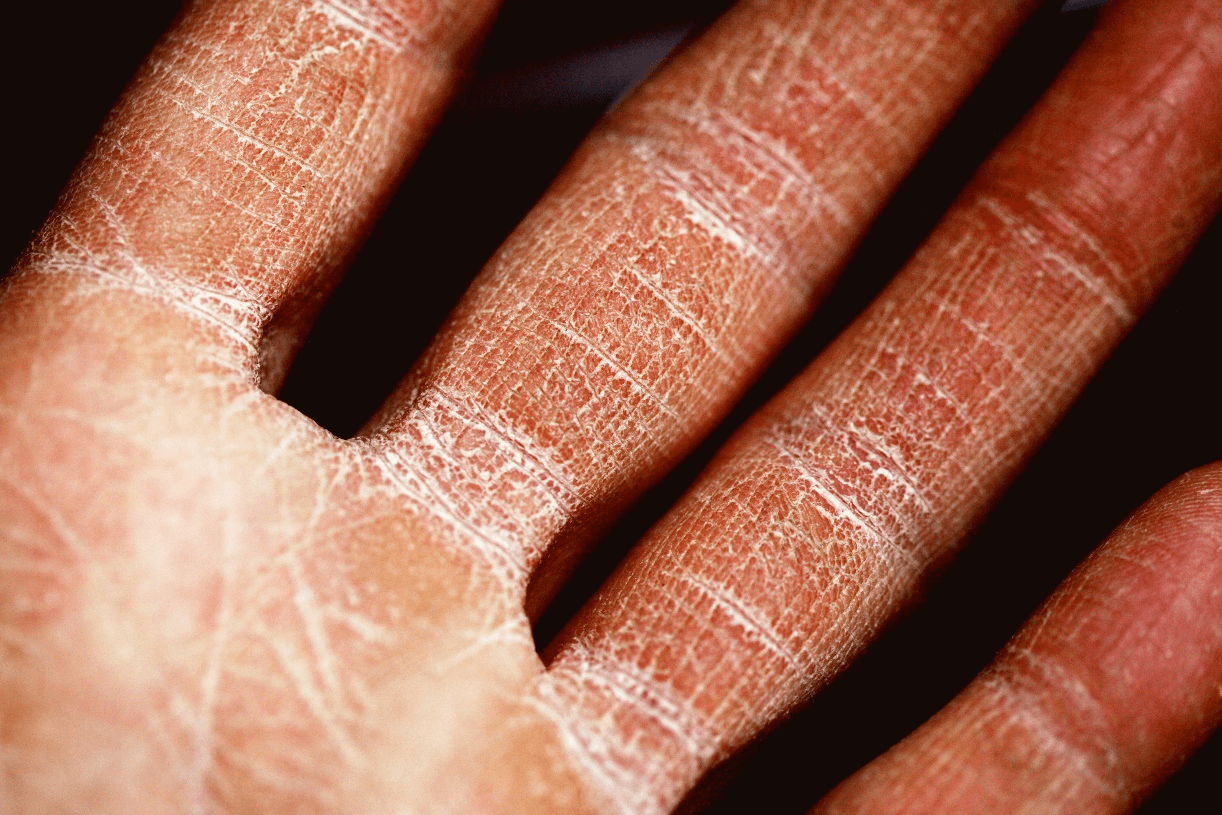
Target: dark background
1151, 414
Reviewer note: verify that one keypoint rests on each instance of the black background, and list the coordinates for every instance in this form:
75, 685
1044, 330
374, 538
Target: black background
1151, 414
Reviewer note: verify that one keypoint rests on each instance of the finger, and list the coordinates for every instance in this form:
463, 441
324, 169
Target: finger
684, 243
822, 515
247, 159
1102, 695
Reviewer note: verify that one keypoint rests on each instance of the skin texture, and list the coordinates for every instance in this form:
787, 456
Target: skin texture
819, 519
1077, 713
210, 605
701, 222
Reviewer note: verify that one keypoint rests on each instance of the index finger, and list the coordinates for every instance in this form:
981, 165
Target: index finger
241, 168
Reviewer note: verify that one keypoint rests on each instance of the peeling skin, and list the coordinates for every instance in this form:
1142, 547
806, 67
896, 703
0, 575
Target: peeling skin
308, 114
287, 639
820, 518
207, 604
210, 605
685, 242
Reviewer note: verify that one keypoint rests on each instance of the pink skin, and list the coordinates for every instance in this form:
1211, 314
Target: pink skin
819, 519
689, 237
210, 605
1097, 699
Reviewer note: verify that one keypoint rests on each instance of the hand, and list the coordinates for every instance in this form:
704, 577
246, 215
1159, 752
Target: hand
212, 604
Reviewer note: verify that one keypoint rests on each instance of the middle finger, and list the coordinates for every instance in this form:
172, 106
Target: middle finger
683, 245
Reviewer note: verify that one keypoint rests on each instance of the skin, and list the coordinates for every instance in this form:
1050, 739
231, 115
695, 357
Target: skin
1076, 713
209, 604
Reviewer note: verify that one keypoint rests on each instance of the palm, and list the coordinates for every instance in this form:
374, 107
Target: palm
252, 636
210, 604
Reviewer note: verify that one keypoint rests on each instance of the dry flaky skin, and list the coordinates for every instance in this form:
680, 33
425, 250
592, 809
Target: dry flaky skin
819, 518
682, 246
219, 608
210, 605
1100, 696
207, 604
